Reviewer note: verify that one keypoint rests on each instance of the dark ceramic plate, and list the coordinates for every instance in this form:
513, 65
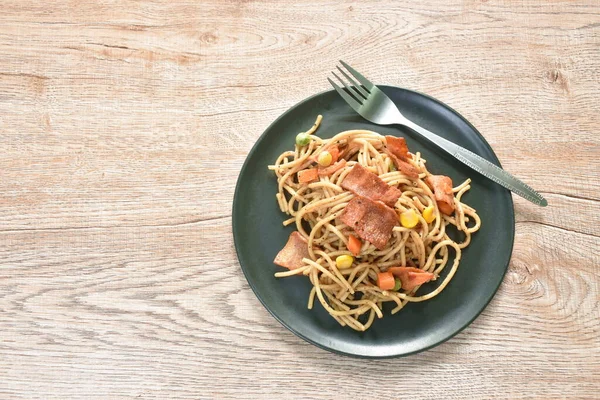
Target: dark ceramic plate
259, 234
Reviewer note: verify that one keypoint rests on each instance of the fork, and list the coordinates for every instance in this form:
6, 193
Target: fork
375, 106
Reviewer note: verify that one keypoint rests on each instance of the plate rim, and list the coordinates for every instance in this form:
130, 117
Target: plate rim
311, 341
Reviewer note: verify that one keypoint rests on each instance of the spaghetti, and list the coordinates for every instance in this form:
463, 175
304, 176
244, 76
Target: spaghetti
356, 236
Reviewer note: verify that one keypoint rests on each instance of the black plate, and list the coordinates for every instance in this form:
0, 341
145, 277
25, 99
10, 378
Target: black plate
259, 234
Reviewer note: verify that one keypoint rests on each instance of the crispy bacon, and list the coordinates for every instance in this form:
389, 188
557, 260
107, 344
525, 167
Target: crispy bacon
335, 153
411, 277
404, 167
442, 190
398, 147
364, 183
332, 168
349, 149
293, 252
371, 220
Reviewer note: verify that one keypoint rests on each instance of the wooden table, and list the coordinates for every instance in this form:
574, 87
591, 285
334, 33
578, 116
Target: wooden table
124, 124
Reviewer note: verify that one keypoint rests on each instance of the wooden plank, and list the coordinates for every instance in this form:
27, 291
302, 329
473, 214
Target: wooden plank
165, 311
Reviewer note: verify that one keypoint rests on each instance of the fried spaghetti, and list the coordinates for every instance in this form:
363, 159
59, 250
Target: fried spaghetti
348, 242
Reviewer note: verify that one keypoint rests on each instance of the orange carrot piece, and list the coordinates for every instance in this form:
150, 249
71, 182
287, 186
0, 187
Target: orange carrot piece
308, 175
385, 281
354, 245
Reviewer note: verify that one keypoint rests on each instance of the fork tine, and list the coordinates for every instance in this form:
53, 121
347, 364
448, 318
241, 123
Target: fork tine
349, 99
365, 82
359, 98
355, 84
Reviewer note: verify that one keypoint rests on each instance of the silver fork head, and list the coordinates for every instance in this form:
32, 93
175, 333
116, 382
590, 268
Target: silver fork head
365, 98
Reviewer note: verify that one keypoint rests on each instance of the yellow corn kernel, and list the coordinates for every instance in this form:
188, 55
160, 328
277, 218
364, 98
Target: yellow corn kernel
344, 261
409, 218
428, 214
324, 159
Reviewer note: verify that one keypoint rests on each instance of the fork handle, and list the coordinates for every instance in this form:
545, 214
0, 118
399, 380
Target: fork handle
481, 165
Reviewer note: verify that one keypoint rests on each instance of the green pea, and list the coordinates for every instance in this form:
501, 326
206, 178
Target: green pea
302, 139
398, 284
393, 167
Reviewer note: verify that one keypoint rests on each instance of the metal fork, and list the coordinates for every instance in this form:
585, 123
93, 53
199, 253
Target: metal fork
373, 105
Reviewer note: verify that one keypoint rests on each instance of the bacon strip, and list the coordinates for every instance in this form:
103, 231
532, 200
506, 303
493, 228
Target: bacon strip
334, 150
293, 252
371, 220
335, 153
332, 168
398, 147
411, 277
404, 167
442, 191
350, 149
364, 183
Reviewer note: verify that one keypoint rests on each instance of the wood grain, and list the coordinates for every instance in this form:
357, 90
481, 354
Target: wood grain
123, 126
